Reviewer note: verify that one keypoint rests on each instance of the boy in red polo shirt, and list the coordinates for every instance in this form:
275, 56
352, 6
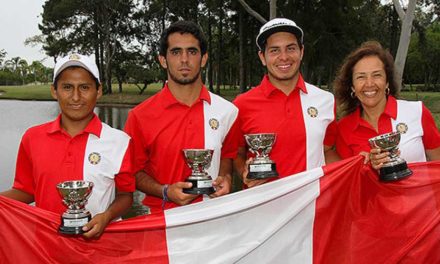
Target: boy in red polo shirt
301, 115
183, 115
76, 146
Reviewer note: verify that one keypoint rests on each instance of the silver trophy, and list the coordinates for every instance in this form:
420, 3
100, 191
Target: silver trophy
262, 166
199, 161
396, 168
75, 195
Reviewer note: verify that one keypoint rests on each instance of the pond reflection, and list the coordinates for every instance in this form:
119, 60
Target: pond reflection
113, 116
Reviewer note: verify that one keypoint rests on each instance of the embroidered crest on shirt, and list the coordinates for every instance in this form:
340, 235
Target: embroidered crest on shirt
94, 158
402, 128
213, 123
312, 111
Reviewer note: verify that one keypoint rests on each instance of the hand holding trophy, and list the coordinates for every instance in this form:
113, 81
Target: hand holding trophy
199, 160
262, 167
75, 195
396, 168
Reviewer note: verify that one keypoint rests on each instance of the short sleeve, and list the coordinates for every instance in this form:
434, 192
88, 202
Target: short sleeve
138, 153
431, 135
230, 144
125, 180
24, 180
342, 148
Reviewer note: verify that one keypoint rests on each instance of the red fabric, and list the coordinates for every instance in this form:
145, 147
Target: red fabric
362, 220
48, 155
357, 220
431, 139
160, 128
266, 109
29, 235
354, 131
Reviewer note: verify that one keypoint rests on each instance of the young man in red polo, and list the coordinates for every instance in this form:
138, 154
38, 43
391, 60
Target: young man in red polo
183, 115
76, 146
301, 115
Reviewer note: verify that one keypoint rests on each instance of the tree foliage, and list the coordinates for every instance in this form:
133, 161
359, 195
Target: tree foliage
17, 71
123, 36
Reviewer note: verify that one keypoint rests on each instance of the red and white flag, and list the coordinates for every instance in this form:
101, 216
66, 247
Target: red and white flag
340, 213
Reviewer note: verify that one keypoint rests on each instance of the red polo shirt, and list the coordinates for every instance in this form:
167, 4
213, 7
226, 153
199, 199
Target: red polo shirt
266, 109
48, 156
161, 127
354, 131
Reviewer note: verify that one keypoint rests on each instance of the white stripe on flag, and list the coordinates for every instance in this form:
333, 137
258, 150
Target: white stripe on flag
271, 223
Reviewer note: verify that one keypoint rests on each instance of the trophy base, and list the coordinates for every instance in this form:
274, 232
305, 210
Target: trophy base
199, 187
68, 230
73, 226
394, 173
262, 171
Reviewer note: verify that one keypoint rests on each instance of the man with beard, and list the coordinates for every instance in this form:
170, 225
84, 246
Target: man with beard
301, 115
183, 115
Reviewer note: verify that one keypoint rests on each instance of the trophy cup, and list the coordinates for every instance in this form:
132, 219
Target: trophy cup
199, 160
262, 167
75, 195
396, 168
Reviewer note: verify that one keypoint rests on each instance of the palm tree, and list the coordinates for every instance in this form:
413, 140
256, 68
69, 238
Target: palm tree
23, 68
18, 66
2, 57
37, 69
12, 64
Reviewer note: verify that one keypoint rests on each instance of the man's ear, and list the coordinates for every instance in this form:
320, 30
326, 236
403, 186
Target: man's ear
262, 59
53, 92
99, 91
302, 52
163, 61
204, 59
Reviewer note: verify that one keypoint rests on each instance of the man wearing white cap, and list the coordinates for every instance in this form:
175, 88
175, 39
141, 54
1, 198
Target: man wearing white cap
301, 115
76, 146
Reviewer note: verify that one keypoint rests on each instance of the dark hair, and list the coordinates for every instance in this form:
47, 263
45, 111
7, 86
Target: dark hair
55, 82
183, 27
344, 79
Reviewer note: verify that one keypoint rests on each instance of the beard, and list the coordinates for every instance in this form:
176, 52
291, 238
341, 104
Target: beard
184, 80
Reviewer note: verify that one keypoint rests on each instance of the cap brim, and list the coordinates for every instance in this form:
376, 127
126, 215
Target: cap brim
262, 37
73, 63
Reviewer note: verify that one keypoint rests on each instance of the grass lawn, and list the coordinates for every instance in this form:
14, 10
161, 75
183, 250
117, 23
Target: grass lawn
129, 96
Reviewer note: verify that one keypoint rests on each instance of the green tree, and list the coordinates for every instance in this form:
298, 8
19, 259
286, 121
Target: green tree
37, 72
423, 63
87, 26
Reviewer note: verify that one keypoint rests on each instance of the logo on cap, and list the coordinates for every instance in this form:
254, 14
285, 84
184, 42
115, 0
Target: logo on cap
280, 23
94, 158
74, 57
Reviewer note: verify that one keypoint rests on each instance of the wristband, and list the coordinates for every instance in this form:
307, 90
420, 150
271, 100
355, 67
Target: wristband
165, 195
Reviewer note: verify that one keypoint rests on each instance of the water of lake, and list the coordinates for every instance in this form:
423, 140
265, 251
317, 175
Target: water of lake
16, 116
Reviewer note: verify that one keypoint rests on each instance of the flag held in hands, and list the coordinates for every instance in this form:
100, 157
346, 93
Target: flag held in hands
340, 213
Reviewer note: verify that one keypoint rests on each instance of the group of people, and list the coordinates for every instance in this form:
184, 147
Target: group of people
185, 115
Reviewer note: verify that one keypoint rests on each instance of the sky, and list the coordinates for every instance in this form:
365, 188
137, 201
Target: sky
18, 21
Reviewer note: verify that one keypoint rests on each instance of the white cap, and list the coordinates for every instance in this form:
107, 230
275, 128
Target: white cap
278, 25
79, 60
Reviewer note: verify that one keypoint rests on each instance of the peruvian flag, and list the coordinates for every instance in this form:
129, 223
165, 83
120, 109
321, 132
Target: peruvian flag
340, 213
